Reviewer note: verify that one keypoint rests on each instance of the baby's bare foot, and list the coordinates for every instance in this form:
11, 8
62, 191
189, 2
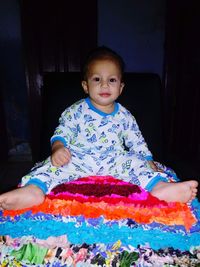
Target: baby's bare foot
21, 198
176, 192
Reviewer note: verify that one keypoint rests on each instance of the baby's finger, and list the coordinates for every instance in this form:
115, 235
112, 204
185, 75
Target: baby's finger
68, 155
67, 152
55, 163
64, 159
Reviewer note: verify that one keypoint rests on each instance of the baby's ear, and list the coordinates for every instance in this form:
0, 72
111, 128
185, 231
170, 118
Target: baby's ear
121, 87
85, 86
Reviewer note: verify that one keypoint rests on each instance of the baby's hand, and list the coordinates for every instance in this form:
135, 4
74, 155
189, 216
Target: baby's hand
60, 157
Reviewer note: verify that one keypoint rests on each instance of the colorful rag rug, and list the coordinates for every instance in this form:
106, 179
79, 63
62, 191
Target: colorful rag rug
101, 221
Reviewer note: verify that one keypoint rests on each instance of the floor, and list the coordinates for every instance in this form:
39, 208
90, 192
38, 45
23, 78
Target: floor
12, 171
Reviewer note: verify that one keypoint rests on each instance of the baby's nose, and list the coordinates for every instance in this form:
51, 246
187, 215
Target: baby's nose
104, 83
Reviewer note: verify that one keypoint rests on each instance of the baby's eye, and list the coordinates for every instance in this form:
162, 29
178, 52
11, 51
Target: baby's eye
96, 79
113, 80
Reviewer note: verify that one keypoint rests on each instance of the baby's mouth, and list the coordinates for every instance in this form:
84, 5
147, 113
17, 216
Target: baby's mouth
104, 94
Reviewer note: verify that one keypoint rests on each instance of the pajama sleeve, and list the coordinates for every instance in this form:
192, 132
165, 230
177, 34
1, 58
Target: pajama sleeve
134, 140
66, 131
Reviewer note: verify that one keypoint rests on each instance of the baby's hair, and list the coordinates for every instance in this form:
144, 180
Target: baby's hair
101, 53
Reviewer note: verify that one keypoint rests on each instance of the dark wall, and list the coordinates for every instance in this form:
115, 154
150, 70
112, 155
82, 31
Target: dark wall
136, 30
12, 74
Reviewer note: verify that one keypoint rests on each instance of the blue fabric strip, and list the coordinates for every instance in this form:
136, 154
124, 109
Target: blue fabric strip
154, 181
59, 138
104, 233
148, 158
92, 107
39, 184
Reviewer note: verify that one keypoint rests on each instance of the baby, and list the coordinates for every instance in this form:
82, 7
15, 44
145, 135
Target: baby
98, 136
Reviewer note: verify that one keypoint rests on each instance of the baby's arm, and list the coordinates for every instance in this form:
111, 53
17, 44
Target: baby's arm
134, 139
60, 154
61, 139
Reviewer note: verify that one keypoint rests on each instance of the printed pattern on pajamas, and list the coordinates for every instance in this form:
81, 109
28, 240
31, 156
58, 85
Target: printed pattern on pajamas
100, 144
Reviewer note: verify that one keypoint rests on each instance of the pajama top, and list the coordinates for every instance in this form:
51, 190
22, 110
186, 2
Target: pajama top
84, 129
100, 144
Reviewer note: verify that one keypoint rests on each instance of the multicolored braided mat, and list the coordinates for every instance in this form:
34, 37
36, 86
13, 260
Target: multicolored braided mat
101, 221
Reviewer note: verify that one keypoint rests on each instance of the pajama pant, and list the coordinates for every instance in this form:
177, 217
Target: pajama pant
124, 166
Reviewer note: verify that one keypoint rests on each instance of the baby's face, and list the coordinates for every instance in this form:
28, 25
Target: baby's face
103, 84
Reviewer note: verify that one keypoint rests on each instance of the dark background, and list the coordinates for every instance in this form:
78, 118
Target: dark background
157, 36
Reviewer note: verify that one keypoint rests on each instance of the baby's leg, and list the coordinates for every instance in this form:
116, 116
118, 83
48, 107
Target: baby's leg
138, 172
172, 192
44, 176
21, 198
